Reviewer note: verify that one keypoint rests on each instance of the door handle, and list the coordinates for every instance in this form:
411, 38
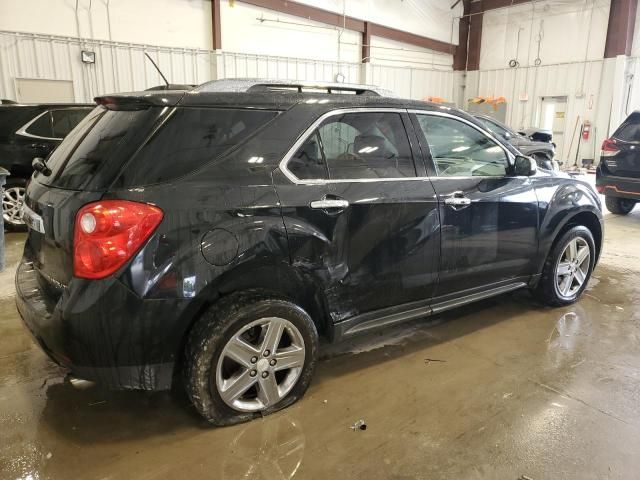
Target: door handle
38, 146
328, 203
458, 200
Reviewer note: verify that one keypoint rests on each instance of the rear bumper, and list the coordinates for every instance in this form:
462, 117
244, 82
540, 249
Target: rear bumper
101, 331
622, 187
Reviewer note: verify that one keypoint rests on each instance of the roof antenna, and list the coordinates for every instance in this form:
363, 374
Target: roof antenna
158, 69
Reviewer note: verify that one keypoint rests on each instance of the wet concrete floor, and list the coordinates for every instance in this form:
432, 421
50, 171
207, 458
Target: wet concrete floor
502, 389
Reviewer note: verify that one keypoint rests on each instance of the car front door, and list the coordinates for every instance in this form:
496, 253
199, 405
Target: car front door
489, 217
360, 213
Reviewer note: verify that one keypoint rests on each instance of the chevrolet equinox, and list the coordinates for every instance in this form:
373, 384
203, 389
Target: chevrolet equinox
211, 236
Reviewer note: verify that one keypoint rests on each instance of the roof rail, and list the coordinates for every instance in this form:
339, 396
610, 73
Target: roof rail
270, 85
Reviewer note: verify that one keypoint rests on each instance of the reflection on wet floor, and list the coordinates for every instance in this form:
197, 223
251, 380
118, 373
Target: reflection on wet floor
500, 389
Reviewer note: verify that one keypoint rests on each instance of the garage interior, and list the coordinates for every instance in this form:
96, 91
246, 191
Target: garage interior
501, 389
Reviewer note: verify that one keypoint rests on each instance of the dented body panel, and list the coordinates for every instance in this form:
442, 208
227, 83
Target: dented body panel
238, 222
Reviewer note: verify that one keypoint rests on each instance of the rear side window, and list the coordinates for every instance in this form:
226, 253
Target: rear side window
629, 131
102, 141
41, 127
356, 146
190, 138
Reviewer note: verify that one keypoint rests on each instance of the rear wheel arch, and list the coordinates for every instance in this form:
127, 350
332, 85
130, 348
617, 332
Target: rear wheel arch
276, 280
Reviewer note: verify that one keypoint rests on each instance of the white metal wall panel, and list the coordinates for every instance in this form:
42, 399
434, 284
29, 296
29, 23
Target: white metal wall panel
588, 87
123, 67
416, 83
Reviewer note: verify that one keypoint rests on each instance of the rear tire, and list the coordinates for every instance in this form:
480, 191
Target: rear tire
231, 373
619, 206
12, 200
568, 268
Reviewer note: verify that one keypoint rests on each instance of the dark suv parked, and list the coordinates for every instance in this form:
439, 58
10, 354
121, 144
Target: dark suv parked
28, 131
215, 236
618, 174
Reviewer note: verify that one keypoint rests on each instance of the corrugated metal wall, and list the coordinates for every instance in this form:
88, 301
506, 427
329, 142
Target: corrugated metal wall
588, 87
122, 67
417, 83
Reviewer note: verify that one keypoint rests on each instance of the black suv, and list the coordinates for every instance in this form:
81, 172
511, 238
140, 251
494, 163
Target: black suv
214, 236
28, 131
542, 152
618, 174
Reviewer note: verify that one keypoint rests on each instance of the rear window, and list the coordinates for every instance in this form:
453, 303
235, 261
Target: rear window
93, 153
190, 138
629, 131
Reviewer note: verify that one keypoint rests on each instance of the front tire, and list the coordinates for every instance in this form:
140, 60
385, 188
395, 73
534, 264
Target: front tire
619, 206
249, 355
568, 268
12, 200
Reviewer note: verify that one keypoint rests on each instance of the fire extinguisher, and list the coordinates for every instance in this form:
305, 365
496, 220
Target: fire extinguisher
586, 130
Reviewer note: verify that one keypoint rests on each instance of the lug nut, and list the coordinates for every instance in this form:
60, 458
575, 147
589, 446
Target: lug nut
265, 374
266, 353
254, 359
272, 362
253, 373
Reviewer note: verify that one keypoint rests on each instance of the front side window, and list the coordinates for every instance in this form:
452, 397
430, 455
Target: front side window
460, 150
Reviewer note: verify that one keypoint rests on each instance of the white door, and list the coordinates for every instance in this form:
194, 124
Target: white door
553, 117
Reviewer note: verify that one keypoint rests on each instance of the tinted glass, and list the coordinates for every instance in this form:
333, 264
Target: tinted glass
458, 149
190, 138
492, 127
629, 131
307, 163
65, 120
14, 118
366, 145
41, 127
103, 137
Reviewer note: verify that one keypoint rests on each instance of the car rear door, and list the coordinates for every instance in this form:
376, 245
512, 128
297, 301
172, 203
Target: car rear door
488, 217
360, 213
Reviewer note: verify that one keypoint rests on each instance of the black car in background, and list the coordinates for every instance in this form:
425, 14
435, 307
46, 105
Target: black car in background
618, 173
212, 237
26, 132
542, 152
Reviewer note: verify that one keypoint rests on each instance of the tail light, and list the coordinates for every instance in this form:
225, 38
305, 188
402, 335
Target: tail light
108, 233
609, 148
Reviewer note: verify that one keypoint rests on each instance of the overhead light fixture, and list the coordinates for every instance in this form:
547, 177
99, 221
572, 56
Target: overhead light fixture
87, 56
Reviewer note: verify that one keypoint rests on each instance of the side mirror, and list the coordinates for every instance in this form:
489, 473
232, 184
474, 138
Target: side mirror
507, 136
524, 166
39, 165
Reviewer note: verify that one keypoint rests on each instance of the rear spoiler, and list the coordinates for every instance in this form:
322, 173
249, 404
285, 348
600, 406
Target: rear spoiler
140, 101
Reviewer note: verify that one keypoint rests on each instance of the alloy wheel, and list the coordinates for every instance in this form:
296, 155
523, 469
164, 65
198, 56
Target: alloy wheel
260, 364
573, 267
12, 200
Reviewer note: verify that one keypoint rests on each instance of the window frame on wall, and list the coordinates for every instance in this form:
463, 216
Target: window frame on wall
432, 169
314, 130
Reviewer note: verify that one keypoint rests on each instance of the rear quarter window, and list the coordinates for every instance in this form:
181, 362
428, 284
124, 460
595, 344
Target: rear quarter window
190, 138
94, 151
629, 131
